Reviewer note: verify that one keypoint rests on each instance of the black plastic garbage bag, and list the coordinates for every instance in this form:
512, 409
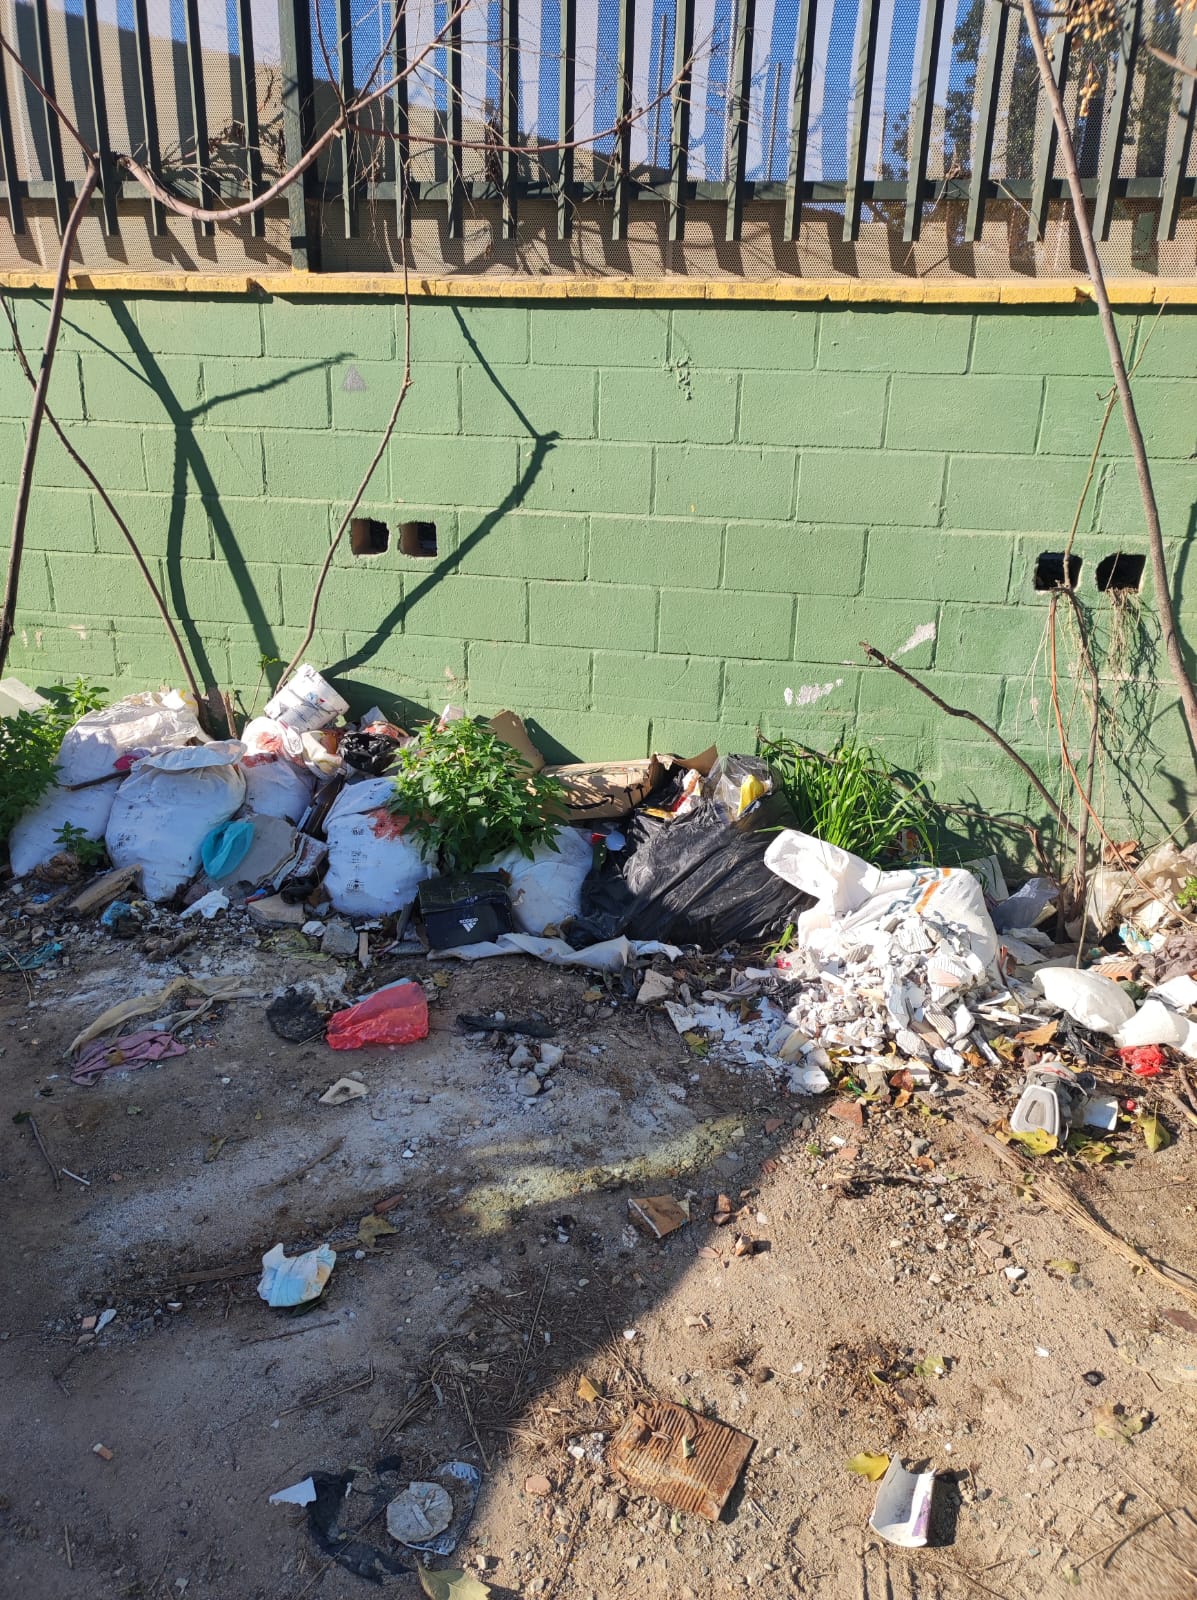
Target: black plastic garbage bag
696, 879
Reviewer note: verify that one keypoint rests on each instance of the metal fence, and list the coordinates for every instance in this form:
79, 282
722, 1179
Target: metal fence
608, 135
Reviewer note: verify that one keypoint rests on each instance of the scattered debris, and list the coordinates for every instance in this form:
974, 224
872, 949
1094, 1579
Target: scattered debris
299, 1494
343, 1090
293, 1280
418, 1514
658, 1215
902, 1513
650, 1452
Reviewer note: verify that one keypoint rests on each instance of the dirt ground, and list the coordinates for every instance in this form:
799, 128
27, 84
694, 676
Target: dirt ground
513, 1273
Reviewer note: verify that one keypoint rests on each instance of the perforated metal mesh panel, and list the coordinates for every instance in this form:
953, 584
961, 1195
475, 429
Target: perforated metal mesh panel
173, 77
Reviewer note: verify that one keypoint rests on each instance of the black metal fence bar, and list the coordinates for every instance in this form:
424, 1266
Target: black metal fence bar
642, 112
8, 153
349, 139
679, 122
295, 47
99, 113
804, 57
1180, 138
1115, 129
151, 150
509, 116
396, 109
1045, 144
249, 111
43, 66
199, 109
622, 151
566, 121
920, 122
866, 57
739, 90
995, 51
455, 190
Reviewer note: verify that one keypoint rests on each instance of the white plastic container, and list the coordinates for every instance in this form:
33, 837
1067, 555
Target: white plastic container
306, 702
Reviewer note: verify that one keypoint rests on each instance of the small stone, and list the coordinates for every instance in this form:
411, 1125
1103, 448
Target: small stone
520, 1057
530, 1084
338, 939
919, 1147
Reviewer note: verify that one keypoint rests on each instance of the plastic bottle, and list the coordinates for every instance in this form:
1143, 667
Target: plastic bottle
396, 1014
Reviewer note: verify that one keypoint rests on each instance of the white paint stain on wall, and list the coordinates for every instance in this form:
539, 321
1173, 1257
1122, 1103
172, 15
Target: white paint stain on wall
922, 635
810, 692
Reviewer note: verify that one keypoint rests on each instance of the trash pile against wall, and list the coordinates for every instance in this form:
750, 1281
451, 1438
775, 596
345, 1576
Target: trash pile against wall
853, 974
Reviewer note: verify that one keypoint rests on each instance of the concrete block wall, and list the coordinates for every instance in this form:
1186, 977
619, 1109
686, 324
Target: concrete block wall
656, 526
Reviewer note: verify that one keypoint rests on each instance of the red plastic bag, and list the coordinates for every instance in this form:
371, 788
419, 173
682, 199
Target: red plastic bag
1144, 1060
396, 1014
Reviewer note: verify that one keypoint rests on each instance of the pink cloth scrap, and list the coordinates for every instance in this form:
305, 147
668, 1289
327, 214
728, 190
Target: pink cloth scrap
131, 1052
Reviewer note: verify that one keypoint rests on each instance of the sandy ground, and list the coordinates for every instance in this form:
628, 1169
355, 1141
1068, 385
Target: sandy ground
513, 1272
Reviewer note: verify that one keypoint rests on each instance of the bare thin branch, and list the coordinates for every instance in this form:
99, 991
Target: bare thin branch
971, 716
38, 410
106, 498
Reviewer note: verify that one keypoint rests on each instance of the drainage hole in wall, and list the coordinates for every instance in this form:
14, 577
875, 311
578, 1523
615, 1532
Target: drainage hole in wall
417, 538
1049, 570
1120, 572
368, 536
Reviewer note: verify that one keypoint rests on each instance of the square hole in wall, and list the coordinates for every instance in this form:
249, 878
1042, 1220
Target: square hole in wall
417, 538
1049, 570
369, 537
1121, 572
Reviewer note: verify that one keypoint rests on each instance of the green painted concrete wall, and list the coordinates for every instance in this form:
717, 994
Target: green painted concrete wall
657, 527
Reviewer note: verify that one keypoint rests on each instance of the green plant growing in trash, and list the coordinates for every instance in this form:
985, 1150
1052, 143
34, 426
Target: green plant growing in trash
88, 852
853, 798
1186, 895
471, 797
29, 744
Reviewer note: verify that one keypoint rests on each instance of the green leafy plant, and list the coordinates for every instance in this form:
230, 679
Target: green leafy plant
853, 798
88, 852
29, 744
1186, 895
471, 797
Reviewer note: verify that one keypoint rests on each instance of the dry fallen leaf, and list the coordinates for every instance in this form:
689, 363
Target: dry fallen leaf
1155, 1134
1113, 1422
867, 1465
1068, 1267
1043, 1035
452, 1584
371, 1229
709, 1253
587, 1390
1038, 1141
931, 1367
537, 1484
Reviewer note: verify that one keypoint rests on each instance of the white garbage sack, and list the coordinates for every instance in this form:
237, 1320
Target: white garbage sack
94, 746
306, 702
34, 839
166, 808
1153, 1023
546, 890
859, 905
373, 868
1088, 998
276, 787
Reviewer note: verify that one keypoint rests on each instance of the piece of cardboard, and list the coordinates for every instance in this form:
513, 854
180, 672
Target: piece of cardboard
509, 726
601, 791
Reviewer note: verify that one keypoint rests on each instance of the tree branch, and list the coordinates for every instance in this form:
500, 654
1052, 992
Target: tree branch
38, 410
1155, 537
971, 716
99, 488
